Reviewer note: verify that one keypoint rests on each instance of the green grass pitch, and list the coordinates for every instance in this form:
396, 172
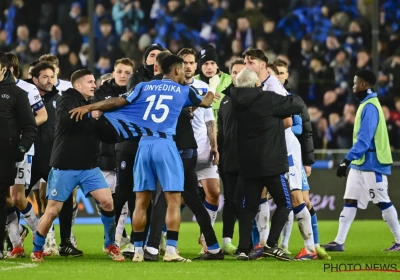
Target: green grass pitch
364, 244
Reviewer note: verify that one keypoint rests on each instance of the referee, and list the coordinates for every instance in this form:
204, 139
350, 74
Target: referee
16, 118
263, 157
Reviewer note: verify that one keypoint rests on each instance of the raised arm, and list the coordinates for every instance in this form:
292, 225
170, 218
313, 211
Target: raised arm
108, 104
208, 99
111, 103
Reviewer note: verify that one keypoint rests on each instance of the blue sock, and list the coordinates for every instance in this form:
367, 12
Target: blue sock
255, 235
171, 242
108, 220
213, 247
138, 244
314, 225
38, 242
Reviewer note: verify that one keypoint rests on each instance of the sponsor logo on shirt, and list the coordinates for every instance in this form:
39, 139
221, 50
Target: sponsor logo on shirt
6, 96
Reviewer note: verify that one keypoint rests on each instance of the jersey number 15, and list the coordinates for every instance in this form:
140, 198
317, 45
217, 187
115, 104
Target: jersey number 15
159, 106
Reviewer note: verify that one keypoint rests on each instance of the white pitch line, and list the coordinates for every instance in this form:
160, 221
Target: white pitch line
20, 266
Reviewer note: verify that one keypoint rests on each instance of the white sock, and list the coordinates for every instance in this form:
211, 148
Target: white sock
212, 211
214, 251
30, 218
51, 234
389, 215
74, 214
139, 250
287, 230
263, 222
346, 218
304, 221
20, 229
122, 220
227, 240
152, 250
13, 229
171, 250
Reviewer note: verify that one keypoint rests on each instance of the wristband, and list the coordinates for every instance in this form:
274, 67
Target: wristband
212, 89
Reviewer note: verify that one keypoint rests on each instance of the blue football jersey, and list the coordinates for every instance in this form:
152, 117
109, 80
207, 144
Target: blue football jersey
153, 110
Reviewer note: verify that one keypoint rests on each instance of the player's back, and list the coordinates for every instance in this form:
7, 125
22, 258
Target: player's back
154, 109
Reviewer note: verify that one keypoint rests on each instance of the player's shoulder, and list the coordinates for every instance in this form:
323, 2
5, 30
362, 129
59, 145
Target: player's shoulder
201, 86
27, 86
273, 84
63, 85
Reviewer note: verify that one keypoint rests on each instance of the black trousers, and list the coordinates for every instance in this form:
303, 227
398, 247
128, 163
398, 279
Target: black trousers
229, 214
193, 201
278, 187
3, 214
124, 187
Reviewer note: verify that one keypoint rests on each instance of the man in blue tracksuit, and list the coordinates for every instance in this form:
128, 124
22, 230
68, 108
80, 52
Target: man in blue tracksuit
370, 161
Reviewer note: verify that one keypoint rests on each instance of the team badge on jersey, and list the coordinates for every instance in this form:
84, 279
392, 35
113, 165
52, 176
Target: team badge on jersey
54, 192
54, 104
123, 165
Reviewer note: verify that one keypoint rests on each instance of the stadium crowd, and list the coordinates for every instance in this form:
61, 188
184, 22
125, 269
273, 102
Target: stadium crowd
319, 49
324, 41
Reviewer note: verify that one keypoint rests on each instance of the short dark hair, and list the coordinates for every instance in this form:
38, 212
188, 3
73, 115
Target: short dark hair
254, 53
14, 63
161, 55
273, 67
237, 61
188, 51
280, 63
79, 74
3, 60
125, 61
43, 65
170, 62
367, 75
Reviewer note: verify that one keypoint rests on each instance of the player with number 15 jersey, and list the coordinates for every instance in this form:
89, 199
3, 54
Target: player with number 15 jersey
153, 111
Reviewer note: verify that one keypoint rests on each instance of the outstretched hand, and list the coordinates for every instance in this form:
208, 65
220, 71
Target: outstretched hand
79, 112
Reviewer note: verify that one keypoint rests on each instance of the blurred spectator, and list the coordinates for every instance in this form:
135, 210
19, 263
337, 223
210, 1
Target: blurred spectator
22, 41
103, 65
55, 39
343, 130
127, 14
100, 14
4, 46
244, 33
34, 51
108, 42
320, 80
390, 77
